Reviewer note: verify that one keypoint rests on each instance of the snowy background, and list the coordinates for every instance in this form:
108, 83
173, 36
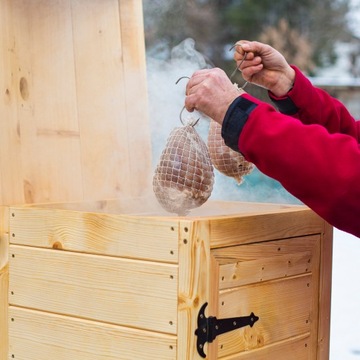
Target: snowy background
345, 315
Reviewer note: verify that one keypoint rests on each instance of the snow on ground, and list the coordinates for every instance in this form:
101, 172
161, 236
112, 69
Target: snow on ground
345, 314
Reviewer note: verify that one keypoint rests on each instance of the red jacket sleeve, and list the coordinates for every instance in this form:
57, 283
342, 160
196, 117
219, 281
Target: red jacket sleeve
314, 152
312, 105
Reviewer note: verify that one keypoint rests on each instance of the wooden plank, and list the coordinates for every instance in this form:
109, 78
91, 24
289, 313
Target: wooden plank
195, 284
293, 348
149, 206
246, 264
211, 349
126, 292
219, 209
288, 223
11, 184
42, 336
4, 282
127, 236
284, 308
315, 285
324, 301
46, 152
100, 97
138, 128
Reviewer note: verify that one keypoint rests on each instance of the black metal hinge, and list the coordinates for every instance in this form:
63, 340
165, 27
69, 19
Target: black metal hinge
209, 328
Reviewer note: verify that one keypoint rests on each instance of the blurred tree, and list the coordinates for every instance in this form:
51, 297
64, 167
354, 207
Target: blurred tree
291, 43
169, 22
305, 31
318, 24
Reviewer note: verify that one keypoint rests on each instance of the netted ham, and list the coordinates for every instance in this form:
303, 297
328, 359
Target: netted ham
224, 159
184, 177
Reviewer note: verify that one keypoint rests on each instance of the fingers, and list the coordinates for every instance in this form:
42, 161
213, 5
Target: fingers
190, 103
252, 49
250, 46
205, 78
196, 81
249, 72
243, 57
210, 91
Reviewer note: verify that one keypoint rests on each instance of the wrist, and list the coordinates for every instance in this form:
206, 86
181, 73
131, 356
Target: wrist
235, 119
231, 97
285, 83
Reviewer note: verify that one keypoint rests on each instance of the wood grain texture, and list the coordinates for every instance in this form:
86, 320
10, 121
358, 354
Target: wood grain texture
293, 348
42, 336
135, 77
126, 292
43, 86
290, 270
69, 70
194, 283
4, 282
98, 233
172, 261
4, 287
286, 223
324, 302
284, 308
255, 263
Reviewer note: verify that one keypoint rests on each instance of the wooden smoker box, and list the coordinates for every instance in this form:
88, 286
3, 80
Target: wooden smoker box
102, 281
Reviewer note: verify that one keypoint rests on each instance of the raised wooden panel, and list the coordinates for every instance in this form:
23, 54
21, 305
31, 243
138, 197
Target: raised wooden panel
247, 264
284, 308
279, 282
42, 336
126, 292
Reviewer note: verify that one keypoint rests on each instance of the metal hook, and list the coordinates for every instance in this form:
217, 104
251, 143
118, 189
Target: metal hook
238, 67
191, 123
183, 77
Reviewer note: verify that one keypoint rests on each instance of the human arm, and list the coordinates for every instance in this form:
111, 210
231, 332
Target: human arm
319, 168
312, 105
291, 91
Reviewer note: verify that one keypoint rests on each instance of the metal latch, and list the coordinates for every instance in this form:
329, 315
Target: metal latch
209, 328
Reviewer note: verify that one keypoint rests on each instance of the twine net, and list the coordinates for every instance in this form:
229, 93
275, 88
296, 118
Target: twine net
224, 159
184, 176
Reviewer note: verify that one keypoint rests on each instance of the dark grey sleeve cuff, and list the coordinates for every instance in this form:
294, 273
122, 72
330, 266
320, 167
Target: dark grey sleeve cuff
234, 121
285, 106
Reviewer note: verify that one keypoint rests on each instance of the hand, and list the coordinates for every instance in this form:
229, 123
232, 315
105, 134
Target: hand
264, 66
211, 92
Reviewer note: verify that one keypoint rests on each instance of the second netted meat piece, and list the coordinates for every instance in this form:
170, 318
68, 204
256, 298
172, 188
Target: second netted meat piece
184, 177
224, 159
